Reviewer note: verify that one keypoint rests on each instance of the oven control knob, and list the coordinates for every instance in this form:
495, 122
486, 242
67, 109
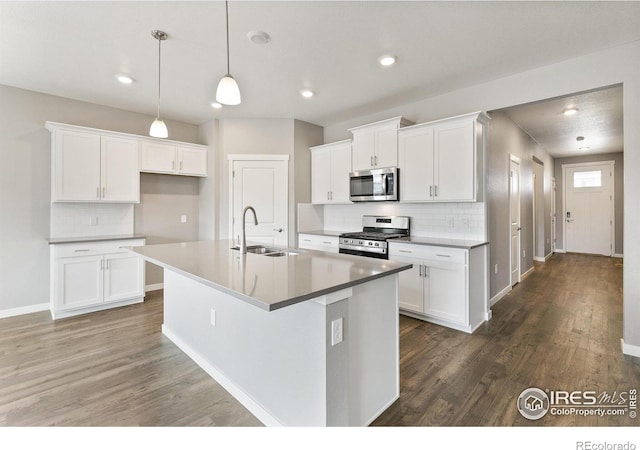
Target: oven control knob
377, 244
370, 243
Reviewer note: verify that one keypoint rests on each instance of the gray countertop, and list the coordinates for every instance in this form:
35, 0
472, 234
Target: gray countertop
441, 242
80, 239
325, 232
267, 282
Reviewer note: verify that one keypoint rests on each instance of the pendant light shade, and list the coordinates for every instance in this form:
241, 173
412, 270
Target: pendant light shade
228, 92
158, 128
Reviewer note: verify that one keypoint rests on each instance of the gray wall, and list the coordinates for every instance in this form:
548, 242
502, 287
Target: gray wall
163, 199
506, 138
618, 189
541, 219
25, 181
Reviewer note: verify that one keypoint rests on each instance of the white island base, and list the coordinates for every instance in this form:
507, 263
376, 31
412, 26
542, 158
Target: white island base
281, 365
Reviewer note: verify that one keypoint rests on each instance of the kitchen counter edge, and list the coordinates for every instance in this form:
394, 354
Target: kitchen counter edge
81, 239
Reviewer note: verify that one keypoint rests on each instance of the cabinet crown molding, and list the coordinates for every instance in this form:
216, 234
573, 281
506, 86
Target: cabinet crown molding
401, 121
52, 126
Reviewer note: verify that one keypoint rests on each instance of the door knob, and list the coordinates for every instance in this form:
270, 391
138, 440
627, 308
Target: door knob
279, 230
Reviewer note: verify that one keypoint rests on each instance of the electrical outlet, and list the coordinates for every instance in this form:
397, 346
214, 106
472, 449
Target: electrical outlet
183, 218
336, 331
495, 269
450, 221
466, 222
93, 221
524, 254
213, 317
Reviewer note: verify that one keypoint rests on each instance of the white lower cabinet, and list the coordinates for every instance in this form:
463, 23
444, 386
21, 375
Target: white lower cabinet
94, 276
318, 242
447, 286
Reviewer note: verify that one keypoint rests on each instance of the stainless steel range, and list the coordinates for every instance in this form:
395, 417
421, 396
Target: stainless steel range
372, 240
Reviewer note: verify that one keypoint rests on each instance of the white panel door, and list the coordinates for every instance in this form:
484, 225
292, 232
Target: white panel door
192, 161
119, 171
514, 214
79, 282
263, 185
157, 157
340, 169
454, 162
410, 285
416, 165
76, 175
446, 288
588, 209
321, 175
386, 142
362, 150
123, 276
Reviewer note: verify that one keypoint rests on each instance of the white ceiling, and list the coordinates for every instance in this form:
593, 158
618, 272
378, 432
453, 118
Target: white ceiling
74, 49
598, 121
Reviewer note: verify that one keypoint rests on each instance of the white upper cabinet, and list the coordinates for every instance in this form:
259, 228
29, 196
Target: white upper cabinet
183, 159
330, 168
90, 167
119, 170
376, 145
442, 161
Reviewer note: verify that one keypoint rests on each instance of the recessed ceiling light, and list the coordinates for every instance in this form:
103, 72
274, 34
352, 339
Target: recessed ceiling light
569, 111
258, 37
583, 148
124, 79
387, 60
580, 138
216, 105
306, 93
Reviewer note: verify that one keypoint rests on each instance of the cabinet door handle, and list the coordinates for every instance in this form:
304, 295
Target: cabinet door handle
436, 190
180, 165
104, 192
420, 270
375, 160
326, 242
279, 230
405, 251
307, 240
82, 250
371, 161
108, 264
101, 264
98, 192
328, 195
173, 165
426, 272
443, 256
331, 194
430, 191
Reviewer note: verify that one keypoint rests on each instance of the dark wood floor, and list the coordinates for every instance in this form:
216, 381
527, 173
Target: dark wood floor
559, 329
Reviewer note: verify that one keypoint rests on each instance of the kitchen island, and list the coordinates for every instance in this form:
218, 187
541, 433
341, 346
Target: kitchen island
306, 338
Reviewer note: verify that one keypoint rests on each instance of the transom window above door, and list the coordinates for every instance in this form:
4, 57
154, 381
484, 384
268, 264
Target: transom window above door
592, 178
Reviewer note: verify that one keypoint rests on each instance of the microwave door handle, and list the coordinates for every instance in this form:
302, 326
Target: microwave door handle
386, 184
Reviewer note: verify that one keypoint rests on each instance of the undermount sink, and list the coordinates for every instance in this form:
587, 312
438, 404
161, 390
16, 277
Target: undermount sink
266, 251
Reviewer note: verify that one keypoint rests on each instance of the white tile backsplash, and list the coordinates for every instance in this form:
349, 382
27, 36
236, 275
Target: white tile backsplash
91, 219
310, 217
437, 220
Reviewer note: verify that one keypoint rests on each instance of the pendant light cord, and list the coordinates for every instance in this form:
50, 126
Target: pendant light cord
226, 3
159, 56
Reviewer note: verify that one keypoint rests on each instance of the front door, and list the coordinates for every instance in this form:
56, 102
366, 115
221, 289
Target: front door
262, 184
588, 208
514, 208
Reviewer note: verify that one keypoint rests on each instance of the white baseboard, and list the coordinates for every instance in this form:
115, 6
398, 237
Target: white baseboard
539, 259
628, 349
617, 255
526, 274
24, 310
254, 407
488, 316
153, 287
496, 298
560, 250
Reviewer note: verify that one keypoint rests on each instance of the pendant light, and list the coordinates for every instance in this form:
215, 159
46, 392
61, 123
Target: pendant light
158, 128
228, 92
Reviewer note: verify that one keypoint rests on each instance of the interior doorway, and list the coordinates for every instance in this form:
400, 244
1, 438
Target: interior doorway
514, 217
261, 182
589, 207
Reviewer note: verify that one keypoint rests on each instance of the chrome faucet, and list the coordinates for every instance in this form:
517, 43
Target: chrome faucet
243, 243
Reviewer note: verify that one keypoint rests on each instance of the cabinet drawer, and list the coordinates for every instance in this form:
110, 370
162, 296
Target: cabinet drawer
318, 242
95, 248
428, 252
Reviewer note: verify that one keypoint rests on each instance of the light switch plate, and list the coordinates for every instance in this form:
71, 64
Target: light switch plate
183, 218
213, 317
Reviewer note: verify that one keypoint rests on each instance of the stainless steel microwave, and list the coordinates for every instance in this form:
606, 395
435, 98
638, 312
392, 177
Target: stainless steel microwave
374, 185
